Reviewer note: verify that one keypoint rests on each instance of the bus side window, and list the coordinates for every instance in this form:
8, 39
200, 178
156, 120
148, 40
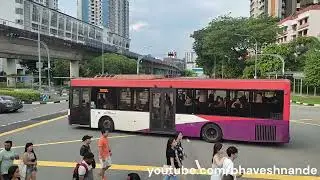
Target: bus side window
185, 101
125, 99
75, 98
141, 100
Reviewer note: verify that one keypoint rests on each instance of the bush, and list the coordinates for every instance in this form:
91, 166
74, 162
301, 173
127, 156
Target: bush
23, 95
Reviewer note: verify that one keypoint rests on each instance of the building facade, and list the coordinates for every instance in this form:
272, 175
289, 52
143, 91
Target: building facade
278, 8
304, 23
52, 4
110, 14
275, 8
29, 15
190, 59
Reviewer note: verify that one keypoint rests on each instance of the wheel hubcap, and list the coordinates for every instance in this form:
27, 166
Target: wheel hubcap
107, 124
211, 133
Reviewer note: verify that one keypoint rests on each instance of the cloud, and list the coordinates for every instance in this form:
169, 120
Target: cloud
137, 27
167, 24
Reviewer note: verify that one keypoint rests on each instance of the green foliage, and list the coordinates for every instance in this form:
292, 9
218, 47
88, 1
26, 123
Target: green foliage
312, 68
113, 64
220, 38
60, 68
23, 95
188, 73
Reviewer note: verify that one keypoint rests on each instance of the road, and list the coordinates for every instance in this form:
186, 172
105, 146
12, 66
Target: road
58, 148
30, 111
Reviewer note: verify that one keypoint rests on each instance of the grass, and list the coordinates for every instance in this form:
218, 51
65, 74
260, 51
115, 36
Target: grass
306, 99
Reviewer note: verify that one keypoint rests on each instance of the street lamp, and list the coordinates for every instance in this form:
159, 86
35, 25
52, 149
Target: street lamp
256, 53
102, 58
39, 53
277, 56
48, 55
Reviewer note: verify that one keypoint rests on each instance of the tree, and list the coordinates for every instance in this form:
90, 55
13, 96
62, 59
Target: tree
220, 38
60, 68
113, 63
188, 73
312, 68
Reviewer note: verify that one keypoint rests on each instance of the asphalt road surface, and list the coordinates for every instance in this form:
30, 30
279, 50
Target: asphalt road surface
30, 111
57, 147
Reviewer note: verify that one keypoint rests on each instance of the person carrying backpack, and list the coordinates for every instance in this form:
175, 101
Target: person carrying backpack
85, 148
82, 169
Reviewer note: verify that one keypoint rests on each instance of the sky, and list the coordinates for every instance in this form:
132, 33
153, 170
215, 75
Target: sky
161, 26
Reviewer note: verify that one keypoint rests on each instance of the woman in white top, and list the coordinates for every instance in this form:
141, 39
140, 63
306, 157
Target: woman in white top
217, 161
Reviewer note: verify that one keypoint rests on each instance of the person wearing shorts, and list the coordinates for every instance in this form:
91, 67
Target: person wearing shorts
104, 153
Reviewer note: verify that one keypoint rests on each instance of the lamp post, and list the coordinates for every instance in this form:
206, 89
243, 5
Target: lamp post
39, 53
102, 58
256, 53
48, 55
277, 56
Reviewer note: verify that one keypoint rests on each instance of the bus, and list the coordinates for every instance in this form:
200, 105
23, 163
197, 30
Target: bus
256, 110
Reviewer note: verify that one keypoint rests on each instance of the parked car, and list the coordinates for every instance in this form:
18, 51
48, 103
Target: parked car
9, 104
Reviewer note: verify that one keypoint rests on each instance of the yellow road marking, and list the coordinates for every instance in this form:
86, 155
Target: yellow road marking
299, 122
31, 126
149, 168
71, 141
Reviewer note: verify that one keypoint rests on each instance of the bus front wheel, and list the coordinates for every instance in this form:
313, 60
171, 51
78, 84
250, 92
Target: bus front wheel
106, 123
211, 133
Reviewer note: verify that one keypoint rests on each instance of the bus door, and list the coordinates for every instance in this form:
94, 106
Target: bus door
162, 110
80, 106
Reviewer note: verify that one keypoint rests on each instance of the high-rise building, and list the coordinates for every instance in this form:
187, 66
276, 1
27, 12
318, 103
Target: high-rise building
278, 8
111, 14
275, 8
258, 7
190, 58
53, 4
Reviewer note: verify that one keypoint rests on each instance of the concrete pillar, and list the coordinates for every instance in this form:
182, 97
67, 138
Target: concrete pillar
74, 69
9, 66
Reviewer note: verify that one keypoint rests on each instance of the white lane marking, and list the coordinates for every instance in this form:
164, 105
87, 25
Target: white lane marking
312, 124
305, 119
198, 164
16, 122
303, 106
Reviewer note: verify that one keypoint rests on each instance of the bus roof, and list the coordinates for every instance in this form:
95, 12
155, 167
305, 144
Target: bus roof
152, 81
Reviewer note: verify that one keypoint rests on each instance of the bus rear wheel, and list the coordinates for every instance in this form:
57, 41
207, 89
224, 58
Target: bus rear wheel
106, 123
211, 133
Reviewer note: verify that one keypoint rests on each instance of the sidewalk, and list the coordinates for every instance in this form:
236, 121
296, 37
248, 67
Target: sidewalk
306, 100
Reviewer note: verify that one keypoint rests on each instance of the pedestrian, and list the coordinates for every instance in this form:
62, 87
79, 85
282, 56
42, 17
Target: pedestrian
85, 167
104, 153
7, 156
172, 159
30, 160
133, 176
228, 165
227, 177
217, 161
179, 150
85, 148
14, 173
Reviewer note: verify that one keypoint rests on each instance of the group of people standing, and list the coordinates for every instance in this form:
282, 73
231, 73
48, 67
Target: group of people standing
222, 163
84, 170
27, 169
